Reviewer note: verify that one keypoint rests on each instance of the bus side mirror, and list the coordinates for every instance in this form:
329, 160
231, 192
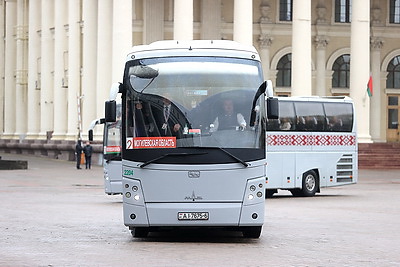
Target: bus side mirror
90, 133
111, 111
272, 108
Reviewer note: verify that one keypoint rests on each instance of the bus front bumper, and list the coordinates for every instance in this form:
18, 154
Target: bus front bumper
193, 214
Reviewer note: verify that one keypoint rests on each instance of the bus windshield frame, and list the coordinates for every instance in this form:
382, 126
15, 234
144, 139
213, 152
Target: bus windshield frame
198, 91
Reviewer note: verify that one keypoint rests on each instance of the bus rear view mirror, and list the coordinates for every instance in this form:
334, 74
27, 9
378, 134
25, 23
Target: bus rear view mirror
111, 111
272, 108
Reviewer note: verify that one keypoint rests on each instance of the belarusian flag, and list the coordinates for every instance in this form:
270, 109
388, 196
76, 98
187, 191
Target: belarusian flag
370, 90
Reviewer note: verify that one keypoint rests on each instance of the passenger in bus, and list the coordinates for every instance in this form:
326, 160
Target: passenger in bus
169, 119
335, 124
301, 123
229, 119
311, 123
285, 124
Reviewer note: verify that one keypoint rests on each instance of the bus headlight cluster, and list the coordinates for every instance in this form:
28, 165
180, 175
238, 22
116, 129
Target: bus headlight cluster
254, 191
132, 192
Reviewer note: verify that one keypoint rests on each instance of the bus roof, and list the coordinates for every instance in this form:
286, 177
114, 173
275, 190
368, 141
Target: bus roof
221, 48
317, 98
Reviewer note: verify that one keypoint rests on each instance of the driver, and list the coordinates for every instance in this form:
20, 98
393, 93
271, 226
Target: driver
229, 119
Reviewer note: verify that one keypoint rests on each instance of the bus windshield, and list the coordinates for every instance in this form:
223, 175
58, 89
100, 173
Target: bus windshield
193, 102
112, 140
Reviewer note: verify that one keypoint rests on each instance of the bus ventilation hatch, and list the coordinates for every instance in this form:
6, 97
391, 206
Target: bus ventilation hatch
344, 169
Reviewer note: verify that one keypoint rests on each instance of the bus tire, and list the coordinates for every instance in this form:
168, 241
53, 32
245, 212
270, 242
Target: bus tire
140, 231
310, 184
251, 231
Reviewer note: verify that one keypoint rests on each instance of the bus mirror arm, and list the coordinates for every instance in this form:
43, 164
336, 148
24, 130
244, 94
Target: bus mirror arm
92, 125
115, 89
260, 91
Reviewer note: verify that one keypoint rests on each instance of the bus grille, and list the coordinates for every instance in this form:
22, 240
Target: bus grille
344, 169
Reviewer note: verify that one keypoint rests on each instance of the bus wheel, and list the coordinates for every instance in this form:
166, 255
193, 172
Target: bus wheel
310, 184
251, 231
140, 231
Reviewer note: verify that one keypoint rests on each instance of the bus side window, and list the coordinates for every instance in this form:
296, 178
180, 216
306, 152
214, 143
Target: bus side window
287, 116
339, 117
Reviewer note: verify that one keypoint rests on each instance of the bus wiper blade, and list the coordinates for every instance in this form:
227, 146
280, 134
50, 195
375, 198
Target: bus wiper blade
118, 158
245, 164
168, 155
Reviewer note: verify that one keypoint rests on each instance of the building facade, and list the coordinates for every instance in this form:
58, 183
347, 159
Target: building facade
60, 57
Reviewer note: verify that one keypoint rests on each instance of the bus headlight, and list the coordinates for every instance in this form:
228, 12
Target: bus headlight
133, 193
254, 191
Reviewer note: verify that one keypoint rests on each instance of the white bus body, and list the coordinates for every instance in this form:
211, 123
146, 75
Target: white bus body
112, 164
112, 161
312, 145
194, 174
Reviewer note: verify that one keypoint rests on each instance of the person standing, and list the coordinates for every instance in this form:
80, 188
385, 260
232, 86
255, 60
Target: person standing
88, 149
78, 152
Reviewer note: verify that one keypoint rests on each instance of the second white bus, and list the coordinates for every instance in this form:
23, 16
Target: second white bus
312, 145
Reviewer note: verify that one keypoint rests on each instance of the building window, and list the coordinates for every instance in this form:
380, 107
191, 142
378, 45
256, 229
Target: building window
285, 10
341, 72
343, 11
394, 16
393, 76
284, 73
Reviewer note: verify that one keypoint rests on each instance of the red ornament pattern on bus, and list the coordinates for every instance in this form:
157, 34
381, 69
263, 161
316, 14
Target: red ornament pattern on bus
311, 140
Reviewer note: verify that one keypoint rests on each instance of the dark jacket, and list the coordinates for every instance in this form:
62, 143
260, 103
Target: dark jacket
78, 148
88, 149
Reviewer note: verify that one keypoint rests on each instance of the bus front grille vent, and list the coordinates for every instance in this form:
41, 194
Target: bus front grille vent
344, 169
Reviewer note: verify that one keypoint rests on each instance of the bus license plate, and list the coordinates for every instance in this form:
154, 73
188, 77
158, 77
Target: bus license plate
192, 216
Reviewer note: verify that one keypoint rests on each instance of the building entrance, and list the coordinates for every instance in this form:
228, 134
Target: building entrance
393, 107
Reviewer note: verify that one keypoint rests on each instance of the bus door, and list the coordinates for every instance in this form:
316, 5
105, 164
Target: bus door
393, 107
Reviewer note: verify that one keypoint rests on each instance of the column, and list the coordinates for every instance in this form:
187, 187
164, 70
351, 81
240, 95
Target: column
21, 36
376, 123
34, 67
243, 21
183, 20
320, 44
153, 28
104, 60
360, 66
211, 20
2, 60
60, 92
265, 45
74, 66
301, 48
122, 37
89, 63
47, 67
9, 71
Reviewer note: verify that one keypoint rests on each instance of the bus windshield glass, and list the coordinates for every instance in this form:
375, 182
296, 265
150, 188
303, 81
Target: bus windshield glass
112, 140
193, 102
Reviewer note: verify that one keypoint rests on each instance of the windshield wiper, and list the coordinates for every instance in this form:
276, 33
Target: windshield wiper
245, 164
168, 155
118, 158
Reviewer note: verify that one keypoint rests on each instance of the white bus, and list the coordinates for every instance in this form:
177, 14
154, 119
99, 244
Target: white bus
112, 161
312, 145
193, 131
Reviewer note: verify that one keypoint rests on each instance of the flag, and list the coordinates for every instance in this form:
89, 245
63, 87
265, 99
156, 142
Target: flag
370, 89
